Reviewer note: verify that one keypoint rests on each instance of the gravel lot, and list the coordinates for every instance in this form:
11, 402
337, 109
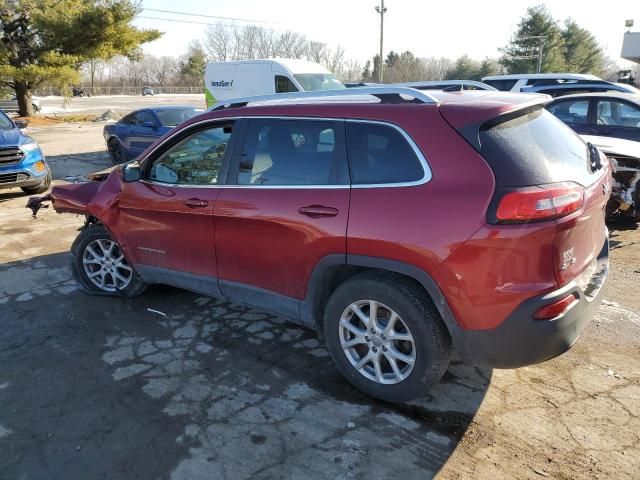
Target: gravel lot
95, 387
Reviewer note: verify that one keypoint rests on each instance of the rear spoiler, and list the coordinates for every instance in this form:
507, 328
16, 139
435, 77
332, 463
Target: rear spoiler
488, 113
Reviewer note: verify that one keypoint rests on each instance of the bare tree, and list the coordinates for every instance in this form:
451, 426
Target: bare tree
218, 43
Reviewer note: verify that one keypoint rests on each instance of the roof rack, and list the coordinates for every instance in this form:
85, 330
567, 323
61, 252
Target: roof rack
385, 94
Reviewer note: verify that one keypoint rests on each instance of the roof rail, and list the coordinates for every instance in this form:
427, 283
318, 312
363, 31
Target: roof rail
385, 94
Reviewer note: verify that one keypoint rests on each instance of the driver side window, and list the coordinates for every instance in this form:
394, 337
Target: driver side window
195, 160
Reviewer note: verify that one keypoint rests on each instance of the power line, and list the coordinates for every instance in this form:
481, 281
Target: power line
230, 25
206, 16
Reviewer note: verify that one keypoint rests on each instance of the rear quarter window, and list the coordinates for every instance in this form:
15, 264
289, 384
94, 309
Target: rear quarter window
380, 154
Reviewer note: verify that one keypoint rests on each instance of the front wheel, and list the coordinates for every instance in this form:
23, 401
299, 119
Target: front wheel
99, 266
41, 188
386, 337
116, 152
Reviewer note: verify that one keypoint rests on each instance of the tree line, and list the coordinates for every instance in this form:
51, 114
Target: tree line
65, 43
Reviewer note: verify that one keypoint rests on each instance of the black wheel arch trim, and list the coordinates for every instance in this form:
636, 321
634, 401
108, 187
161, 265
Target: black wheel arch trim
308, 312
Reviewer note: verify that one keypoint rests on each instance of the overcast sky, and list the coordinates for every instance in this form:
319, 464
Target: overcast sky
427, 28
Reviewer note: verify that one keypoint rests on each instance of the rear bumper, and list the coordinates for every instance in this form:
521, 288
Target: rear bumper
522, 340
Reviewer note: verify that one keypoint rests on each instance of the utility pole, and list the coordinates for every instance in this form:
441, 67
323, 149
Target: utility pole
381, 10
542, 39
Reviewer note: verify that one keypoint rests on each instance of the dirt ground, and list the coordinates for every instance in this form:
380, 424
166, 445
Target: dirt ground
94, 387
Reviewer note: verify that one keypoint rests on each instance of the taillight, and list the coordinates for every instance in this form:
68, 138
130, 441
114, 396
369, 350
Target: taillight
556, 308
544, 202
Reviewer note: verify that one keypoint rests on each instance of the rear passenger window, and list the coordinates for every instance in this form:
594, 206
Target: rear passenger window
300, 152
380, 154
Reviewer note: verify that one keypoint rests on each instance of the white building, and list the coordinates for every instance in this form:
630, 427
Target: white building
631, 45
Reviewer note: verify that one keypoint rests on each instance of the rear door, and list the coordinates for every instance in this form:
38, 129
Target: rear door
617, 118
166, 219
287, 210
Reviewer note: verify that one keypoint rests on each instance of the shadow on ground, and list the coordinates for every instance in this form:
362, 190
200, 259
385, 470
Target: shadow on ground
70, 166
99, 387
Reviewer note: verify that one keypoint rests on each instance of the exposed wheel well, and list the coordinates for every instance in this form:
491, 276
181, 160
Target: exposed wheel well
336, 275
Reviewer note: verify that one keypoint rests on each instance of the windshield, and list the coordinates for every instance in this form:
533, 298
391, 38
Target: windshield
175, 116
5, 123
318, 81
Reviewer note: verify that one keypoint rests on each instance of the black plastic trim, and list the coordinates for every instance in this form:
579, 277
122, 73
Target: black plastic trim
190, 281
261, 298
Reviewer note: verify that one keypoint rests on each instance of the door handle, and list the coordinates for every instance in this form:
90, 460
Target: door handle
196, 203
315, 211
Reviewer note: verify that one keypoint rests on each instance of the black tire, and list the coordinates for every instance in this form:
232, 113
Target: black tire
431, 341
35, 108
43, 187
88, 237
116, 152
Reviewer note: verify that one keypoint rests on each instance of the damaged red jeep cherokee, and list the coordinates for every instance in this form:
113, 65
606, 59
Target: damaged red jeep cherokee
400, 225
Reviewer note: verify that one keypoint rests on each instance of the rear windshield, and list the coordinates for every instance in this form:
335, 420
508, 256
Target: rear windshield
175, 116
533, 149
504, 85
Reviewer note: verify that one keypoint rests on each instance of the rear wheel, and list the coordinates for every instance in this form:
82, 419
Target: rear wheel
43, 187
116, 152
100, 267
386, 337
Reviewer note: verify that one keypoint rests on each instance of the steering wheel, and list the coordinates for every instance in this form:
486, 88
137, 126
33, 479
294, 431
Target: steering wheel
602, 121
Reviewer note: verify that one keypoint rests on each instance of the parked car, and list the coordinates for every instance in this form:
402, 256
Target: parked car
130, 136
556, 84
22, 163
570, 88
625, 191
607, 114
448, 85
611, 122
10, 104
516, 82
147, 91
342, 212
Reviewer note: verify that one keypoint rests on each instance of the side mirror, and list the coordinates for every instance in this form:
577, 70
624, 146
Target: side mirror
149, 125
21, 123
131, 172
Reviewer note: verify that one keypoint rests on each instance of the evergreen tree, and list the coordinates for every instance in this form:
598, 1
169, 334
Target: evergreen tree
582, 52
50, 39
537, 22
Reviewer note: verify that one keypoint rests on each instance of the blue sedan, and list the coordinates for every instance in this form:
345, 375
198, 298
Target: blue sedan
129, 137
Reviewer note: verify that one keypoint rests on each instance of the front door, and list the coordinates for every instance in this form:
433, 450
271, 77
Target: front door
166, 220
142, 133
287, 211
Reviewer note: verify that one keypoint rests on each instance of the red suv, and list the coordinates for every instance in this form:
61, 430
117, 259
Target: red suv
400, 225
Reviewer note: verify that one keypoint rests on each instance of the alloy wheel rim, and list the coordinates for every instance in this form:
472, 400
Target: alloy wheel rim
105, 265
377, 342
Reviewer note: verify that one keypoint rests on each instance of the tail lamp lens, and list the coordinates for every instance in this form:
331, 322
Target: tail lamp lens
545, 202
556, 308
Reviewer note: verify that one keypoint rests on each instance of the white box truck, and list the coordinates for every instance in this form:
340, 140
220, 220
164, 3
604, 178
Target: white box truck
246, 78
